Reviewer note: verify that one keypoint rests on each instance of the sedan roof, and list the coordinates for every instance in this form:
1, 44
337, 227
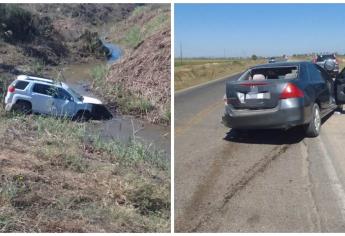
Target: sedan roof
281, 64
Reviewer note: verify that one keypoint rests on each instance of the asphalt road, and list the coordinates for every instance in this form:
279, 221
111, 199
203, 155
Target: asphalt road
260, 181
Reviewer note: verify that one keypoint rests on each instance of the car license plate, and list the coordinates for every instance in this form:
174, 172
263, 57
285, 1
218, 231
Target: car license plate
258, 96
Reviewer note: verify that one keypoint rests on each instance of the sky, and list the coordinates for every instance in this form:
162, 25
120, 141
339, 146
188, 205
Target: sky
241, 30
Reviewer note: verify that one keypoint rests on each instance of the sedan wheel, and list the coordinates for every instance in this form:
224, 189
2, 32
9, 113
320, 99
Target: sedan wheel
313, 128
317, 120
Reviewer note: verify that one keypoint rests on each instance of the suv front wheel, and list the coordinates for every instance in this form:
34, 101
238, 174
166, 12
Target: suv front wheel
82, 116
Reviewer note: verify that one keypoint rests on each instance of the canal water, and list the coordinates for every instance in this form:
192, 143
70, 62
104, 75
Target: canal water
123, 128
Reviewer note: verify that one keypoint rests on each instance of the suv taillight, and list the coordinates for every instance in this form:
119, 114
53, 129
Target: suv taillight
11, 89
291, 91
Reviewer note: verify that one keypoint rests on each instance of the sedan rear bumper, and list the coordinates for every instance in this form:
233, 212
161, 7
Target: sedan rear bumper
288, 113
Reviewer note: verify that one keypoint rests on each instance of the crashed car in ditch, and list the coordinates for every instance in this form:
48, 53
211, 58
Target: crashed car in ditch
283, 95
28, 94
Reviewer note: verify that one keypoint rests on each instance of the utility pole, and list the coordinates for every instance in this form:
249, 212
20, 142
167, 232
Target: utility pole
224, 54
181, 53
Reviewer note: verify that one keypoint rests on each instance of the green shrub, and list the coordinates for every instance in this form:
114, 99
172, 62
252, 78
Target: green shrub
17, 21
133, 36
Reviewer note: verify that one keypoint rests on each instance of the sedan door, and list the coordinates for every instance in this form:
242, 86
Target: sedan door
321, 86
340, 87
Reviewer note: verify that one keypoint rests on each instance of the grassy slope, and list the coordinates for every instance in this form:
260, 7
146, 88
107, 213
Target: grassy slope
139, 83
192, 72
55, 177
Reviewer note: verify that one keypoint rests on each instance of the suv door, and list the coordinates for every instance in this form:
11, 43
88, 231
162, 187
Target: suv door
340, 87
63, 103
42, 98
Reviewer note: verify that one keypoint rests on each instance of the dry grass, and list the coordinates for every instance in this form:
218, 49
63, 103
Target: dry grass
192, 72
56, 177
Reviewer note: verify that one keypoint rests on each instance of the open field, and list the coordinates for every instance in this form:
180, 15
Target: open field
196, 71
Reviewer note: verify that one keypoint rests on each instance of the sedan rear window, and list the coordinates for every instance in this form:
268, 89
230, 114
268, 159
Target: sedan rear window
269, 73
21, 84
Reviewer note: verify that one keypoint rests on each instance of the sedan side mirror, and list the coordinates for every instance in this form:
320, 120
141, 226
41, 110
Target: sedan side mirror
329, 65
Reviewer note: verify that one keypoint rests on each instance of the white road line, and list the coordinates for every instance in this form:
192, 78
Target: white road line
332, 174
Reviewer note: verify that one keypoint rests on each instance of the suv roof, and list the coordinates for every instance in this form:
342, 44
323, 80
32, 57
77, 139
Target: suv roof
38, 79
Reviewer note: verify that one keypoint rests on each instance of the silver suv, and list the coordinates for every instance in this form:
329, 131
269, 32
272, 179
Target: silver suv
29, 94
321, 59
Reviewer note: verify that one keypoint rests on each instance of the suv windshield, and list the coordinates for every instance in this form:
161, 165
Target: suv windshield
287, 72
75, 94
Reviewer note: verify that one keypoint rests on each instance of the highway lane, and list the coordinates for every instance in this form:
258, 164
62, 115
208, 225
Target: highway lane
260, 181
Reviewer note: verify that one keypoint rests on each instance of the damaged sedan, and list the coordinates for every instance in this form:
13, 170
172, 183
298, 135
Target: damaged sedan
283, 95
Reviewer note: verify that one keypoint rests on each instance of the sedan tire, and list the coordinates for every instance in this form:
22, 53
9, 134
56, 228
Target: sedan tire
314, 127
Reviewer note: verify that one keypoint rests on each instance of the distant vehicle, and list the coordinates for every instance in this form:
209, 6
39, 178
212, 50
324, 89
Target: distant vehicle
277, 59
321, 59
271, 60
283, 95
28, 94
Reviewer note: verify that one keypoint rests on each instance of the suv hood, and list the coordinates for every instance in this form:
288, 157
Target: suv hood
91, 100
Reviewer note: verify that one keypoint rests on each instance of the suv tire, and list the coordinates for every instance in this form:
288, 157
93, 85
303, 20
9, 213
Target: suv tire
82, 116
22, 107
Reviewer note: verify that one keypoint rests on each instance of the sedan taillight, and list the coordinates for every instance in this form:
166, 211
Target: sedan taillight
291, 91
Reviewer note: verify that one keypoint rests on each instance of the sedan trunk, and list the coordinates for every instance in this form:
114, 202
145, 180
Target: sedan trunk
259, 88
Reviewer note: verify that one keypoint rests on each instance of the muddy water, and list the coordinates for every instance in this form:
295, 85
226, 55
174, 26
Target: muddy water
115, 52
123, 128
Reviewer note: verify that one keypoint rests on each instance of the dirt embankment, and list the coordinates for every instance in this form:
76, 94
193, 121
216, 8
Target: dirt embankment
33, 36
146, 73
141, 78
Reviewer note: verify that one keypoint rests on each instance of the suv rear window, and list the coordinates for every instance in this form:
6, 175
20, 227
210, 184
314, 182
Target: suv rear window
324, 57
268, 73
21, 84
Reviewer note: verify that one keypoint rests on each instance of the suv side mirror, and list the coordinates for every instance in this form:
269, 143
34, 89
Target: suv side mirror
329, 65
